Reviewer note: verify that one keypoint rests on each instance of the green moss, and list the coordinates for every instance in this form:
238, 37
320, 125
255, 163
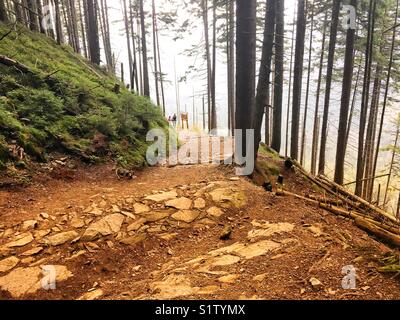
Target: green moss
70, 107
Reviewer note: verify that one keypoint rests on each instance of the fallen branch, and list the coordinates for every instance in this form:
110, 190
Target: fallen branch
334, 202
13, 63
355, 198
358, 217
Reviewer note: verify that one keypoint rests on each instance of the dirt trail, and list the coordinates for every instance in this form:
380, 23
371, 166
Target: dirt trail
158, 237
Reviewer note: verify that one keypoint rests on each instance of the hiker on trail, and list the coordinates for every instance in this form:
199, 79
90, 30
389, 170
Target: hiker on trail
170, 120
174, 120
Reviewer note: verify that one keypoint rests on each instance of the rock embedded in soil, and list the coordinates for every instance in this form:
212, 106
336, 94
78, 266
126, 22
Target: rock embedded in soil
136, 225
61, 238
131, 241
161, 197
155, 216
199, 203
20, 241
106, 226
8, 264
180, 203
29, 225
187, 216
140, 208
32, 252
93, 295
215, 212
231, 278
316, 284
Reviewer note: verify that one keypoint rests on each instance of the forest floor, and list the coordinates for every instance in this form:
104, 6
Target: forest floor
158, 236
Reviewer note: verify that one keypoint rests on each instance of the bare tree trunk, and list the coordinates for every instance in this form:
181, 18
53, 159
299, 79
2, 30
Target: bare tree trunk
93, 32
204, 5
128, 43
298, 79
264, 74
32, 15
389, 74
245, 68
314, 153
83, 33
345, 102
155, 53
59, 31
303, 136
231, 63
290, 85
365, 97
18, 12
214, 70
392, 161
279, 74
3, 11
146, 85
329, 73
135, 64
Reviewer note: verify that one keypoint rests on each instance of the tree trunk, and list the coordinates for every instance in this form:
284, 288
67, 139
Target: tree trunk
389, 74
298, 79
303, 136
3, 11
85, 51
18, 12
365, 97
59, 31
146, 85
290, 85
279, 74
214, 70
155, 53
93, 32
329, 73
264, 74
204, 5
128, 43
32, 15
231, 64
345, 102
245, 68
314, 153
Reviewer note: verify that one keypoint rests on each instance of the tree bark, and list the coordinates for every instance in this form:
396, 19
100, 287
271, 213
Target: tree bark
146, 84
279, 74
329, 74
93, 32
345, 103
245, 68
298, 79
263, 85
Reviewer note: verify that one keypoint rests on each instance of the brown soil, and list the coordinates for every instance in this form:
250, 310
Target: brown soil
315, 243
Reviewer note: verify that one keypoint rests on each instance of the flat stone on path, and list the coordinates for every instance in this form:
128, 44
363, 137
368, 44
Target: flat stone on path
29, 224
61, 238
32, 252
161, 197
93, 295
140, 208
215, 212
8, 263
187, 216
180, 203
21, 240
136, 225
199, 203
106, 226
231, 278
155, 216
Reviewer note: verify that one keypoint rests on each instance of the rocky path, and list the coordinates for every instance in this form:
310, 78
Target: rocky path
187, 232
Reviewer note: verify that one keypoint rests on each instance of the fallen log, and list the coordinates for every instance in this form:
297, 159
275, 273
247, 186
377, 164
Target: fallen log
339, 192
13, 63
334, 202
342, 212
355, 198
379, 232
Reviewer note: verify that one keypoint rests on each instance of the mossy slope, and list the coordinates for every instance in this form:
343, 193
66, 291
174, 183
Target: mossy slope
67, 104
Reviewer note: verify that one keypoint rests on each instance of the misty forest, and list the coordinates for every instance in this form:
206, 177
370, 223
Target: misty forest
200, 149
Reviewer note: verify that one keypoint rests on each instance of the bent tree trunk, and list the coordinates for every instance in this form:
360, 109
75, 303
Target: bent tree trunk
263, 85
